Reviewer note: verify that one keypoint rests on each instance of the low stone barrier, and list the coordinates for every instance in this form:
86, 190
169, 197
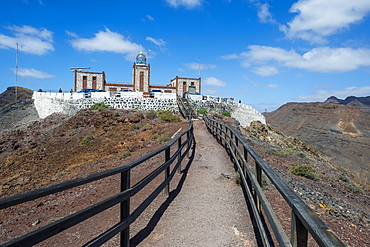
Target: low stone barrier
70, 104
243, 113
46, 104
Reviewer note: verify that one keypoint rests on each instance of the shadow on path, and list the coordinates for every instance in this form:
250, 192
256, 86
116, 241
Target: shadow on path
145, 232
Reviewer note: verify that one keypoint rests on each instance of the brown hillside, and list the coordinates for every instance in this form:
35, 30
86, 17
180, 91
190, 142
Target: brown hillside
340, 132
9, 95
56, 148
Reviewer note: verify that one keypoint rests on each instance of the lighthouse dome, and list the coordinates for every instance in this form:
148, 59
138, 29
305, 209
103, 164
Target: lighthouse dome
141, 59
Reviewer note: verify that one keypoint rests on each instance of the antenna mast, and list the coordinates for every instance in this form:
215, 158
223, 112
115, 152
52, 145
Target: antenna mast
16, 75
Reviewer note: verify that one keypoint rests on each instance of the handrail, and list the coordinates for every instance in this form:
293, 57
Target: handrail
122, 198
304, 219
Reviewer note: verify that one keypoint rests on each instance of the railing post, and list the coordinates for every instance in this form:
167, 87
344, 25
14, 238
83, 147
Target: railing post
167, 171
125, 209
245, 170
179, 157
259, 180
237, 147
188, 145
299, 233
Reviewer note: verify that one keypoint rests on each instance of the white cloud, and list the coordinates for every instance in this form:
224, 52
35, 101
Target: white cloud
189, 4
71, 34
202, 66
30, 40
150, 18
322, 95
158, 42
108, 41
266, 71
24, 72
317, 19
212, 81
321, 59
264, 14
231, 56
272, 85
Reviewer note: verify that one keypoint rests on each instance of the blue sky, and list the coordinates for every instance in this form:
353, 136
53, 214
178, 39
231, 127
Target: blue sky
265, 53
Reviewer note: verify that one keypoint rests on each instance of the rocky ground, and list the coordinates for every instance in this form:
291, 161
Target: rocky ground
60, 148
339, 132
335, 197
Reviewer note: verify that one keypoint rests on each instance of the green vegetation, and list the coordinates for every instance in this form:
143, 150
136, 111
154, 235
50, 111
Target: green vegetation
202, 111
124, 155
98, 106
86, 139
344, 177
305, 156
134, 127
166, 116
226, 113
163, 138
305, 171
349, 185
238, 179
72, 133
352, 187
147, 127
282, 153
151, 115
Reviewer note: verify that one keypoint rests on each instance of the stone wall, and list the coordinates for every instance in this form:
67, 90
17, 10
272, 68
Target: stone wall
48, 103
243, 113
70, 104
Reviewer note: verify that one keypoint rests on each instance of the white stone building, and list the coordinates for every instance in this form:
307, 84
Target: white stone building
183, 84
140, 81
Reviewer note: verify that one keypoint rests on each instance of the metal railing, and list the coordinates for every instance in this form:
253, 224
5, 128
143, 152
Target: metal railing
304, 220
123, 197
185, 108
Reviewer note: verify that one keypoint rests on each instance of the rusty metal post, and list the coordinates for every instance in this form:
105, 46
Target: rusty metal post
299, 233
125, 209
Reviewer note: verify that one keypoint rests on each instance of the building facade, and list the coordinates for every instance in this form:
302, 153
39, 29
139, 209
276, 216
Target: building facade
140, 81
85, 79
183, 84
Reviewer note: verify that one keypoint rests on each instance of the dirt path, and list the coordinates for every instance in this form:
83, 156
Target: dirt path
210, 209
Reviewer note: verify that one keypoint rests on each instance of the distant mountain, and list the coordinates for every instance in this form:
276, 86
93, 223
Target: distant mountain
360, 102
338, 129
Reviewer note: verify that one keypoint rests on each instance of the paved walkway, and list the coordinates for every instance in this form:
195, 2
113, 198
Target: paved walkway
210, 209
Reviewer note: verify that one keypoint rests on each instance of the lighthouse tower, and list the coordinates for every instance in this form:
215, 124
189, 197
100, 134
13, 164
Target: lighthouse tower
141, 74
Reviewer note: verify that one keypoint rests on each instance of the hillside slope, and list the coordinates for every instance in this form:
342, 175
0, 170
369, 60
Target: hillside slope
339, 132
13, 94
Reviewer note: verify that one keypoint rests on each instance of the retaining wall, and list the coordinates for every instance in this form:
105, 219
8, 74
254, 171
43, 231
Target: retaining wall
70, 104
243, 113
48, 103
